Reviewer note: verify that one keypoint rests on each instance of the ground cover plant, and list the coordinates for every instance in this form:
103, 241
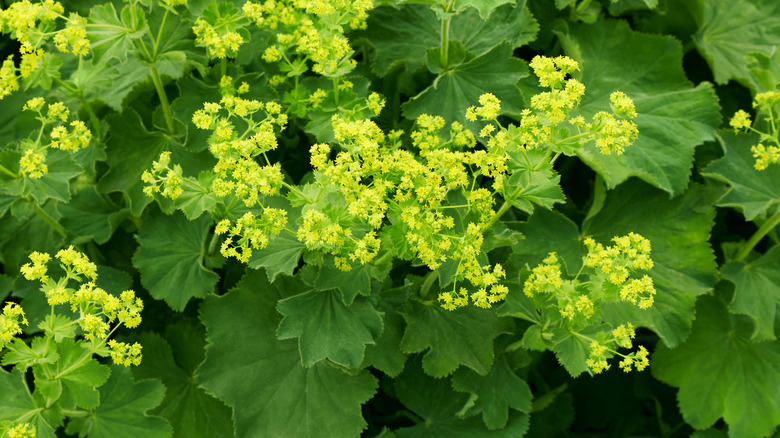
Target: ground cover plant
368, 218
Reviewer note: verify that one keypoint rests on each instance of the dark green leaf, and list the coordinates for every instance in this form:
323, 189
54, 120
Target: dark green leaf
721, 372
122, 410
112, 37
17, 402
90, 216
454, 338
674, 117
326, 328
170, 258
262, 378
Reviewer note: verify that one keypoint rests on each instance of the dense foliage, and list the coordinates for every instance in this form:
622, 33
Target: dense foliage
433, 218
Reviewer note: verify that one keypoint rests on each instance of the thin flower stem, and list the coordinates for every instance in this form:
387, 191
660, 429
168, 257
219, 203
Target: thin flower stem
757, 236
4, 170
163, 98
49, 220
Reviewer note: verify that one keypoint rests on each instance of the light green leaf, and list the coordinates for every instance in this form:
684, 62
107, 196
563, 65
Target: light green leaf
674, 117
176, 54
721, 372
733, 28
54, 184
170, 258
122, 410
58, 327
262, 378
453, 91
326, 328
25, 356
438, 405
279, 257
622, 6
526, 188
757, 291
188, 408
571, 350
755, 192
197, 197
17, 402
90, 216
111, 36
80, 377
453, 338
497, 392
684, 267
485, 7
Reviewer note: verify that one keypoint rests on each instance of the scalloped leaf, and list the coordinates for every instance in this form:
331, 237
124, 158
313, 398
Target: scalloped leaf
262, 378
170, 257
673, 115
684, 266
754, 192
721, 372
453, 338
731, 29
328, 329
757, 291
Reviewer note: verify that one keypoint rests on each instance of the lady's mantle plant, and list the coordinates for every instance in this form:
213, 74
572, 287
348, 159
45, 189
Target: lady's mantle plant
388, 219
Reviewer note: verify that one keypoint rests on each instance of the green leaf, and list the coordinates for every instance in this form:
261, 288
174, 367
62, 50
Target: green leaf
188, 408
485, 7
721, 372
80, 377
571, 350
54, 184
496, 392
17, 402
111, 36
262, 378
674, 117
131, 150
58, 327
350, 283
197, 197
386, 355
170, 258
279, 257
122, 410
327, 329
757, 291
402, 36
455, 90
453, 338
176, 54
548, 231
684, 266
526, 188
90, 216
24, 356
754, 192
438, 405
733, 28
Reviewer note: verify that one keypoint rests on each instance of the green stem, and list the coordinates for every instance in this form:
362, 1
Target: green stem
163, 98
49, 220
76, 413
336, 91
92, 117
426, 286
8, 172
213, 244
504, 207
445, 42
757, 236
223, 66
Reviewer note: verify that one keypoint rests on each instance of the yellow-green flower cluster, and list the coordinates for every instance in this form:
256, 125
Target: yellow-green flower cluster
220, 42
765, 154
489, 108
545, 278
74, 35
32, 164
612, 134
11, 321
603, 349
237, 170
312, 29
8, 80
250, 232
97, 309
125, 354
616, 263
20, 430
163, 179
